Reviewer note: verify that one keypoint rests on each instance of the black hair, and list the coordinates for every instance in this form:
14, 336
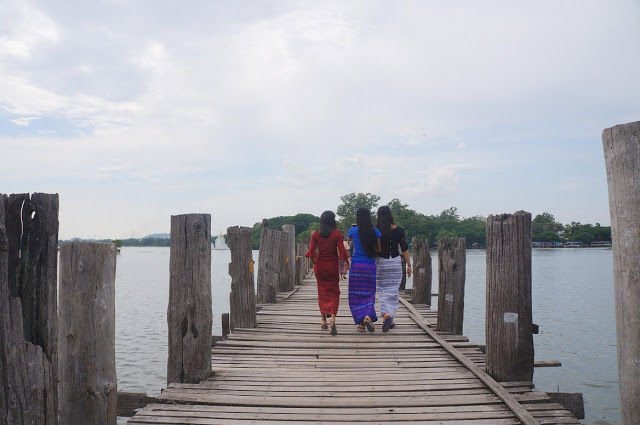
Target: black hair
366, 232
327, 223
385, 220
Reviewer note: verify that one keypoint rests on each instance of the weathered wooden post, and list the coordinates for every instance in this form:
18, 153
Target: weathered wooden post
622, 157
269, 264
88, 390
421, 293
509, 328
226, 328
242, 298
300, 266
189, 314
289, 256
452, 262
28, 309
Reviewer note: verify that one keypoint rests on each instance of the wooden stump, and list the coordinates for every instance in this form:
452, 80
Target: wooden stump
299, 275
28, 309
189, 314
452, 260
226, 328
242, 298
269, 264
301, 269
290, 255
422, 273
622, 157
509, 328
88, 389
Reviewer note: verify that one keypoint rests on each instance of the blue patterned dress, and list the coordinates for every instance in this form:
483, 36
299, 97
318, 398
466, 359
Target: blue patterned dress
362, 280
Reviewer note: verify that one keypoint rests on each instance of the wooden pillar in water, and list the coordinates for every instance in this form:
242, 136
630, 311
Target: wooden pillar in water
509, 328
289, 256
622, 157
452, 262
88, 389
189, 314
269, 264
242, 298
422, 274
28, 309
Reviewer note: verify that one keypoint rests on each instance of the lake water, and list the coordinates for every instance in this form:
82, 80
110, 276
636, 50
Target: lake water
572, 303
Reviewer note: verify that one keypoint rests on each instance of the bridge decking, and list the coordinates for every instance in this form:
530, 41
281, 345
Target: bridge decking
289, 371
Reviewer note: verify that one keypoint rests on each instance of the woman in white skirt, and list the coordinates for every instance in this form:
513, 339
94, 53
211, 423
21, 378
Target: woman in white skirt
389, 265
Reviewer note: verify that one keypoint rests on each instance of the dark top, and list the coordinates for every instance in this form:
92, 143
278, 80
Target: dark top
391, 242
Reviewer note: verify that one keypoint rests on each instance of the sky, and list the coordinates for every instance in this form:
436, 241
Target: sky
136, 111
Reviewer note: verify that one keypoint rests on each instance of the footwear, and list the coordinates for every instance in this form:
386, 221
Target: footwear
369, 325
387, 324
361, 328
334, 330
323, 324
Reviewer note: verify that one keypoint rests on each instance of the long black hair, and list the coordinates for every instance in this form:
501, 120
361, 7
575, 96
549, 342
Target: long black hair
367, 234
327, 223
385, 220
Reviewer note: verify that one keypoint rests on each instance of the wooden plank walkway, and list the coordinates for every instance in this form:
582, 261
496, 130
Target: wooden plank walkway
289, 371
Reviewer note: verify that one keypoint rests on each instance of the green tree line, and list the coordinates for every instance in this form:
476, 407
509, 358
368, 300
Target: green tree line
448, 223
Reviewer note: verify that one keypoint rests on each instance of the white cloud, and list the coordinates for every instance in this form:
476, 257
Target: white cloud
23, 121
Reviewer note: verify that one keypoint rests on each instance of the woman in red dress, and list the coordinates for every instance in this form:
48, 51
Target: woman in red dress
325, 249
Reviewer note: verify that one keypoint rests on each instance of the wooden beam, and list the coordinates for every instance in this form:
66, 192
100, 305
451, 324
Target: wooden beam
521, 413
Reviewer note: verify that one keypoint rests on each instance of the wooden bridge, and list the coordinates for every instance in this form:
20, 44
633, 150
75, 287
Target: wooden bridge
286, 370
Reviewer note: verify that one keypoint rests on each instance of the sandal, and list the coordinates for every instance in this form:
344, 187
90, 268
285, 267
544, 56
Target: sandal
323, 324
334, 330
369, 325
388, 323
361, 328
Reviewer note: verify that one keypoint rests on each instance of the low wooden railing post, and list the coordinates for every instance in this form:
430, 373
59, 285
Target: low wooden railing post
452, 260
509, 328
290, 255
242, 298
29, 369
88, 389
299, 276
189, 315
269, 264
226, 326
422, 272
622, 157
301, 266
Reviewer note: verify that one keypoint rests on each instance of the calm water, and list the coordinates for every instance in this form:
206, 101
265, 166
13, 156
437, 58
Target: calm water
572, 303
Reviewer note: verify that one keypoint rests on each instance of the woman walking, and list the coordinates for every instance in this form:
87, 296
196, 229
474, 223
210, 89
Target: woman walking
389, 265
326, 248
362, 275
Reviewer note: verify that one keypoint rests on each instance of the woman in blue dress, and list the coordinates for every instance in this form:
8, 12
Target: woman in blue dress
362, 274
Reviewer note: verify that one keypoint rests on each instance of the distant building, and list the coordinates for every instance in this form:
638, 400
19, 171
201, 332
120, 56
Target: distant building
574, 244
600, 244
536, 244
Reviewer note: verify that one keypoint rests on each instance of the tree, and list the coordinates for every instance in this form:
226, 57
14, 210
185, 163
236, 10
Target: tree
545, 228
350, 204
